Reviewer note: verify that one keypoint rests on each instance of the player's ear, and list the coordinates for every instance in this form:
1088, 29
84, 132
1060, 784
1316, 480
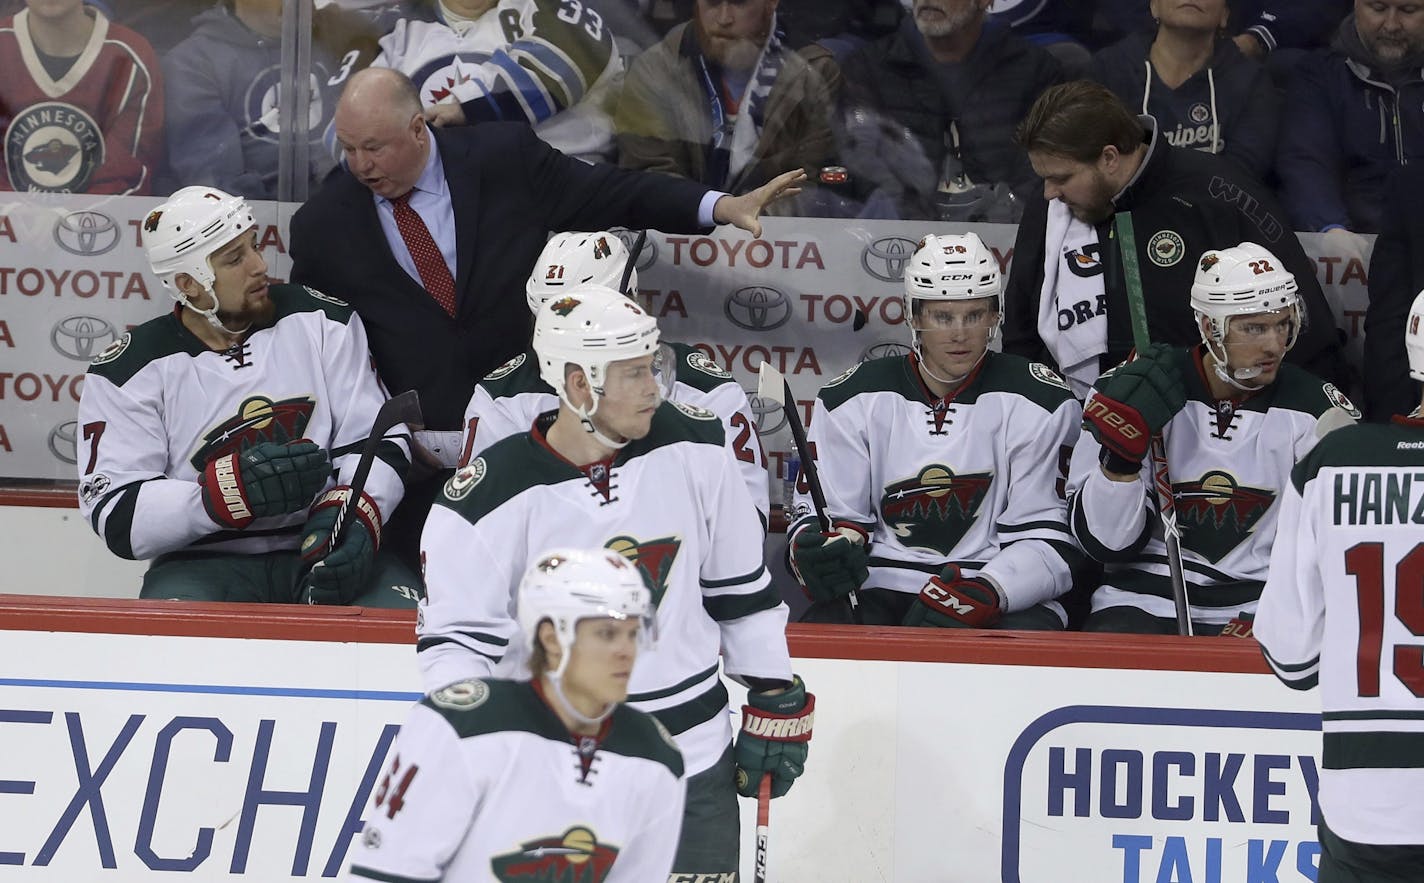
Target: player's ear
187, 285
548, 640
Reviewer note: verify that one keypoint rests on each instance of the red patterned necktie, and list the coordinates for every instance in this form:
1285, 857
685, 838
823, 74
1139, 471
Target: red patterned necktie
434, 272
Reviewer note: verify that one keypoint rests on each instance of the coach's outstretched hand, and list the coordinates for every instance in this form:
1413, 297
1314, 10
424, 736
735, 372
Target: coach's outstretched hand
745, 211
263, 480
775, 737
337, 576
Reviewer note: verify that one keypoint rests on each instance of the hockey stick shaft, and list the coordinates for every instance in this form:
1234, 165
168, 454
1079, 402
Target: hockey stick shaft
632, 262
1161, 477
763, 825
771, 384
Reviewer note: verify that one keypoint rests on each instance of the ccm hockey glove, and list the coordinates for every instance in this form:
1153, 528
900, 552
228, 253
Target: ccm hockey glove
830, 565
263, 480
951, 601
775, 737
1135, 400
337, 576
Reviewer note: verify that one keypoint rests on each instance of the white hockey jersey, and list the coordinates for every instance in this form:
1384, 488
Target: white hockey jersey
506, 402
484, 784
976, 479
550, 63
1344, 605
673, 504
1228, 465
158, 404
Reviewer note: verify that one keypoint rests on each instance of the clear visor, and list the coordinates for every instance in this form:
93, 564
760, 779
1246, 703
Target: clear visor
954, 315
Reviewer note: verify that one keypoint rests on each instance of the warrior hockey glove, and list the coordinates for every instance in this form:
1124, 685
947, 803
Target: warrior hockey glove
1135, 400
951, 601
1242, 625
263, 480
337, 576
830, 565
775, 736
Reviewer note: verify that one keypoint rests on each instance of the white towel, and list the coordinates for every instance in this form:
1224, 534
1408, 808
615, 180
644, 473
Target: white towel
1074, 343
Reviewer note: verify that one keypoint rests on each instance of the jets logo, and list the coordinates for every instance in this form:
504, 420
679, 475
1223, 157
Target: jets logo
258, 419
575, 857
936, 508
1216, 514
653, 558
1086, 261
564, 305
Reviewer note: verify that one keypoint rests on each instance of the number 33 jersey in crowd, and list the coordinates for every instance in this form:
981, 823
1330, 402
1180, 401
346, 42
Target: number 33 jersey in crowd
1344, 606
158, 404
484, 783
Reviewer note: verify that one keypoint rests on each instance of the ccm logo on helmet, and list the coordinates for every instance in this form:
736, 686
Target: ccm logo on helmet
1111, 418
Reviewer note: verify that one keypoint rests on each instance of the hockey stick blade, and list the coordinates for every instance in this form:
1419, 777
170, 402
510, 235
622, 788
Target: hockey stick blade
763, 825
404, 408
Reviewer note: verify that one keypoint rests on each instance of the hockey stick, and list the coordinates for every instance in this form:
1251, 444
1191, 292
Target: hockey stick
763, 825
404, 408
772, 386
1162, 482
632, 262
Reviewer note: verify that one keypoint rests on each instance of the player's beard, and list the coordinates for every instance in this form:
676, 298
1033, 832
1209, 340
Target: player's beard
1101, 208
947, 23
255, 312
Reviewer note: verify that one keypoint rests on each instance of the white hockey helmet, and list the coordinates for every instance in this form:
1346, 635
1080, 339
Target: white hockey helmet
952, 267
1414, 338
590, 326
1240, 281
571, 259
182, 234
565, 586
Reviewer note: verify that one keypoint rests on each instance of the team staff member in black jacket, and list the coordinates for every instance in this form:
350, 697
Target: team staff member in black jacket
1066, 301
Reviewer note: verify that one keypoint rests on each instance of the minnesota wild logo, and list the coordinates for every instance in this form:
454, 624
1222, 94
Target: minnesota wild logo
258, 419
564, 305
1216, 514
601, 248
934, 509
574, 857
653, 558
150, 223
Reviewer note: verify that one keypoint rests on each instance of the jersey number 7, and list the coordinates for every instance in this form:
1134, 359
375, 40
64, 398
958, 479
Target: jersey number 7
1365, 562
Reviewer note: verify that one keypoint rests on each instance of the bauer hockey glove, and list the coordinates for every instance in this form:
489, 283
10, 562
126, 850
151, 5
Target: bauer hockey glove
775, 736
337, 576
1131, 403
953, 601
263, 480
830, 565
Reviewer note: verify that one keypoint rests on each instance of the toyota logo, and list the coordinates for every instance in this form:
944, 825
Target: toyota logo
81, 338
883, 349
647, 257
885, 258
757, 308
86, 233
62, 442
770, 415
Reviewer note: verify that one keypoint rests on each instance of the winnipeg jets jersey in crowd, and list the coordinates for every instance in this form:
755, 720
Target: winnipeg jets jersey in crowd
95, 128
976, 479
548, 62
506, 402
1344, 606
484, 783
672, 504
159, 404
1229, 464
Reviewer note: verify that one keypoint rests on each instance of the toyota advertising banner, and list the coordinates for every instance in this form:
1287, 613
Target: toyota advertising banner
812, 296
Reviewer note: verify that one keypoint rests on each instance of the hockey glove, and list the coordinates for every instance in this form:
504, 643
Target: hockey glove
951, 601
775, 736
263, 480
830, 565
1131, 403
1242, 625
337, 576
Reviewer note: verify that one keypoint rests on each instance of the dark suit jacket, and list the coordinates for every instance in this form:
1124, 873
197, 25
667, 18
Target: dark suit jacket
1396, 275
509, 191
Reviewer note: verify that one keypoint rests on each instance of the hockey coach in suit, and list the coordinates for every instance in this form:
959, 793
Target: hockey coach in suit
431, 233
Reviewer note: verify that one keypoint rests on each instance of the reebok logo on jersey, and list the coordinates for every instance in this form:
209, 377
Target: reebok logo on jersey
653, 558
936, 508
574, 857
1216, 514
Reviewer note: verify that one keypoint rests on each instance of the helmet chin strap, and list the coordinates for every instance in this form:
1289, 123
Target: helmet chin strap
925, 366
1231, 378
585, 417
211, 313
568, 707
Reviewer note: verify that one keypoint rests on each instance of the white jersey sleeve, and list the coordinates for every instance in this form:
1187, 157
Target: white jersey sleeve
124, 493
1110, 518
1290, 617
356, 395
421, 807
